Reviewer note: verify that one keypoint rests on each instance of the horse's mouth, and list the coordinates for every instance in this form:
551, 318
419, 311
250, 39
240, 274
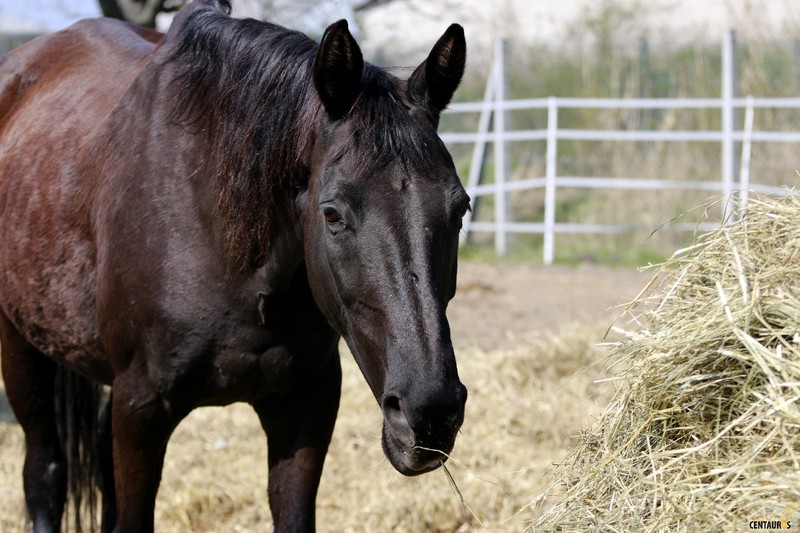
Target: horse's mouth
411, 460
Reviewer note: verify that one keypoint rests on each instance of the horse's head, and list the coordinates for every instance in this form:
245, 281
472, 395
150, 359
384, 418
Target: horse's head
381, 221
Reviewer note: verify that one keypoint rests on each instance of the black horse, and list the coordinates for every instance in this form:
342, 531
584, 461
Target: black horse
195, 218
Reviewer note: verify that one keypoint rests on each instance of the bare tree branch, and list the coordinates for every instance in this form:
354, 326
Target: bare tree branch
365, 5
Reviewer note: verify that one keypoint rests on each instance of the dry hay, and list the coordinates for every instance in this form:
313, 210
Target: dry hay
705, 431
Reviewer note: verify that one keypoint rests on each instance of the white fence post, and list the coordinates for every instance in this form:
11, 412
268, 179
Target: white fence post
500, 161
550, 180
728, 111
479, 151
747, 141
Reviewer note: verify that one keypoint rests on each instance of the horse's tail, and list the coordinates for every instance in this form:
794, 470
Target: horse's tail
77, 407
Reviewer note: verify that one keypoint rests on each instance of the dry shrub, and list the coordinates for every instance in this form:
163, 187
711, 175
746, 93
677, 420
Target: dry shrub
705, 432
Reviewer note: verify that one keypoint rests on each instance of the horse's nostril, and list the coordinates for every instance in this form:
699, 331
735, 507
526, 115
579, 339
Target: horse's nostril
391, 403
397, 421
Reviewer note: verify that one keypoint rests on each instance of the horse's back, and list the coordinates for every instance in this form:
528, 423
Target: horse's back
55, 93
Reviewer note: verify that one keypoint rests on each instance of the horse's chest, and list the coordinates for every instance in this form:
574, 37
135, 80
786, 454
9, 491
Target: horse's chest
275, 366
242, 359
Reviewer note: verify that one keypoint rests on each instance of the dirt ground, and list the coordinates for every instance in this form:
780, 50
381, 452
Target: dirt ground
521, 333
496, 305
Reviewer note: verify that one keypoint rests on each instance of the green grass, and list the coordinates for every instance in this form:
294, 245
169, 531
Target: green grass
622, 251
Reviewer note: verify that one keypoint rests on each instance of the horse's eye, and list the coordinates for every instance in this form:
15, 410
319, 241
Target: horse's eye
462, 213
331, 215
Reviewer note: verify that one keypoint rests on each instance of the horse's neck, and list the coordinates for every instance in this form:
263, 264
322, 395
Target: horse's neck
285, 254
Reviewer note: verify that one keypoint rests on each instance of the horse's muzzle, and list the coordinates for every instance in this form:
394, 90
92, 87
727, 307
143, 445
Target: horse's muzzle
419, 435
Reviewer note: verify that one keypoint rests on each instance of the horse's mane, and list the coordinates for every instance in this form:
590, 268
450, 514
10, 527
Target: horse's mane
249, 85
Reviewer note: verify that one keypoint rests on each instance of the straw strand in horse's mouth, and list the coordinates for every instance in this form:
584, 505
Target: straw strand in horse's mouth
454, 486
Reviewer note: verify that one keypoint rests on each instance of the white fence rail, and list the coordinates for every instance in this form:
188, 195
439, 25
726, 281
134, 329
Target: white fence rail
495, 107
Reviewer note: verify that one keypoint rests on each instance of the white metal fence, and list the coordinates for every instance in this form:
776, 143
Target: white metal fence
492, 112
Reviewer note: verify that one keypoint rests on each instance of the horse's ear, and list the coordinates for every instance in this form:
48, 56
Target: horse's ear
338, 66
433, 82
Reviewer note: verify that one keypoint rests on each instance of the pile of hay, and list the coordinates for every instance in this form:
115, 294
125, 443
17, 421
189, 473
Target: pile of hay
705, 431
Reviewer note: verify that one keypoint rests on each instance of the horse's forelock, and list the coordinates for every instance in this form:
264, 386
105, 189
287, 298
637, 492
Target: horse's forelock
384, 126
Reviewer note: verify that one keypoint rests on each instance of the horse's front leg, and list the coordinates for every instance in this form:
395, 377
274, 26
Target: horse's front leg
299, 428
141, 426
105, 471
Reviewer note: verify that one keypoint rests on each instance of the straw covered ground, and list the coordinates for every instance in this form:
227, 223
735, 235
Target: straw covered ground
521, 335
705, 432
